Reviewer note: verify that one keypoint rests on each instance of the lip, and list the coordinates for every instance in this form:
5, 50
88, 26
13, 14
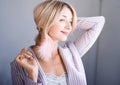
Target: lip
65, 33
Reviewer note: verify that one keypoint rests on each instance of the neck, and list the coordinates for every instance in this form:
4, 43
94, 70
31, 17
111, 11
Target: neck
47, 50
55, 49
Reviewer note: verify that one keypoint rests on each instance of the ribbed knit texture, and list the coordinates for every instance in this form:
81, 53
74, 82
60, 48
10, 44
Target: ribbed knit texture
70, 53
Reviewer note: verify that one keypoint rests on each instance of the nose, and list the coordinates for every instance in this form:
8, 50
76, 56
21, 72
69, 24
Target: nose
68, 25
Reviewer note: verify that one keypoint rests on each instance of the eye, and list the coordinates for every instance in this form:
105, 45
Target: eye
62, 20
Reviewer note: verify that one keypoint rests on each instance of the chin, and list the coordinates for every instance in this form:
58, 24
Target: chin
63, 39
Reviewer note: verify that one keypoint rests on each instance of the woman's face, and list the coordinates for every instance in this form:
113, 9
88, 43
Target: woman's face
63, 26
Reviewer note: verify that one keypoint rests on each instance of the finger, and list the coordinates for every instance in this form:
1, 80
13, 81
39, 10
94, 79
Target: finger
27, 56
22, 59
19, 58
25, 51
29, 53
22, 56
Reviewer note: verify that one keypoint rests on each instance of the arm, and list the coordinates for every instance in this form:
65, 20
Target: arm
19, 76
15, 73
92, 27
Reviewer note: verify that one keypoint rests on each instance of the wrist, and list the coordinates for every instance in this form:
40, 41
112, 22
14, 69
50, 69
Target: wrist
33, 76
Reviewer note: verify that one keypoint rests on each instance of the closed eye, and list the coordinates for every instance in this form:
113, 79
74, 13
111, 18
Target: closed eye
62, 20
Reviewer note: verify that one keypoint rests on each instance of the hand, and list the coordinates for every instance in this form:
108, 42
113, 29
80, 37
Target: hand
25, 60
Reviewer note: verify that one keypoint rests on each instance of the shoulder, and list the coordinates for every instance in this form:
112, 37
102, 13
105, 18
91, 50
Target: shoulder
71, 46
68, 46
70, 50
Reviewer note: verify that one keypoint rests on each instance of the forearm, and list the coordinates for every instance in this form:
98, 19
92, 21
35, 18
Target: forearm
33, 76
20, 77
92, 27
86, 23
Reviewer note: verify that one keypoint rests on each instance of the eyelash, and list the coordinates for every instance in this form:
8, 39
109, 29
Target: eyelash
62, 19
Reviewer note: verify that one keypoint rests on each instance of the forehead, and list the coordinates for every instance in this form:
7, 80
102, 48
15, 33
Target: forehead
66, 12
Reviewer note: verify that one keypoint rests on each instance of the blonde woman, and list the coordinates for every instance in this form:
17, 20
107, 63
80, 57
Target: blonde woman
47, 63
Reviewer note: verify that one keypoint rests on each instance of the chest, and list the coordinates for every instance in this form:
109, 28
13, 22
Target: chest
56, 66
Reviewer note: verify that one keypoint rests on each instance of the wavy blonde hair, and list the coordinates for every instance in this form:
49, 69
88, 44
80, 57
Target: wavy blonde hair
47, 12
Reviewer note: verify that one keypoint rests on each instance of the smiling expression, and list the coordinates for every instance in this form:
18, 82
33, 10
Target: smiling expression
60, 30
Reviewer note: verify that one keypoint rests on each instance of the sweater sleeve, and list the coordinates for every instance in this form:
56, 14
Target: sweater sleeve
19, 76
92, 27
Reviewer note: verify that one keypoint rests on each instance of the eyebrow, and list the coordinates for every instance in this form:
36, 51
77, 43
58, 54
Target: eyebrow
66, 16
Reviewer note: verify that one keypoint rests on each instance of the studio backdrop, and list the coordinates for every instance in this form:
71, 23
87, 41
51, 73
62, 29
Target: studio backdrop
102, 61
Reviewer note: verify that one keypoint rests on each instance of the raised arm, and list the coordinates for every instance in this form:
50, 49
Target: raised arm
92, 27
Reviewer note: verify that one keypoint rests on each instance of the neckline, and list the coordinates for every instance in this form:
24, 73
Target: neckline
60, 76
35, 57
42, 73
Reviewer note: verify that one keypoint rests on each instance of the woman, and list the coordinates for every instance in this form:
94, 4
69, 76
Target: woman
46, 63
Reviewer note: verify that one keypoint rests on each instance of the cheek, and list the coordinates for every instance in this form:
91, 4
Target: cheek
53, 31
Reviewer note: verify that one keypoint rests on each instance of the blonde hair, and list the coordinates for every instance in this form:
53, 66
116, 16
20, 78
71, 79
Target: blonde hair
46, 13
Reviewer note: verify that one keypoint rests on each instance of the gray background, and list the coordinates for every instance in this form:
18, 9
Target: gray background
17, 30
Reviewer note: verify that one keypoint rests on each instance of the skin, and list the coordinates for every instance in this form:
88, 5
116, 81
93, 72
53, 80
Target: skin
58, 32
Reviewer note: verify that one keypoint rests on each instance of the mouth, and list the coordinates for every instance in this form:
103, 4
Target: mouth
65, 33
